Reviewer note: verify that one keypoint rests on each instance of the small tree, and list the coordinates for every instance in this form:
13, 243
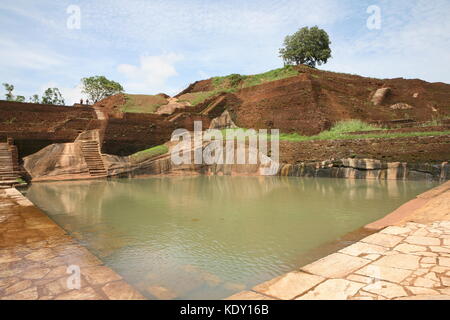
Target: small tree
99, 87
308, 46
20, 99
9, 89
52, 96
34, 98
9, 93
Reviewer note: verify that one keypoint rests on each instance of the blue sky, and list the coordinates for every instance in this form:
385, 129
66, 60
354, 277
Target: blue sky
163, 45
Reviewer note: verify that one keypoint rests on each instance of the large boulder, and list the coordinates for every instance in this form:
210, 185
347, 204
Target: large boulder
380, 95
224, 121
59, 159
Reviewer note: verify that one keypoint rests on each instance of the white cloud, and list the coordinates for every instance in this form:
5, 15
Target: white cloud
413, 43
31, 56
152, 73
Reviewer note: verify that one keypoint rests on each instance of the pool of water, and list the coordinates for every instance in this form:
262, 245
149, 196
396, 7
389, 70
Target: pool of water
209, 237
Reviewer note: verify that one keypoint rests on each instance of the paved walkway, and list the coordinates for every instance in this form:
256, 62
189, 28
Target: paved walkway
35, 256
406, 261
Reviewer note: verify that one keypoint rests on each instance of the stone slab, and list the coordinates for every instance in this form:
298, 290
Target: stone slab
289, 286
336, 265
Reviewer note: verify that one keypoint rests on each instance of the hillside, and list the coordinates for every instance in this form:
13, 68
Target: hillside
307, 101
301, 100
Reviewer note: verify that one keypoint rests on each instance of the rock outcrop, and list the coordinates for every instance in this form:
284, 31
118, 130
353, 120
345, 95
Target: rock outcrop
401, 106
59, 160
369, 169
380, 96
222, 122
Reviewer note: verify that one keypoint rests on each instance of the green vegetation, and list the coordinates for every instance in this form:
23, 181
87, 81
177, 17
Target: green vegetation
352, 126
436, 121
99, 87
308, 46
51, 96
20, 181
196, 98
10, 121
9, 93
327, 136
140, 103
149, 153
341, 131
233, 82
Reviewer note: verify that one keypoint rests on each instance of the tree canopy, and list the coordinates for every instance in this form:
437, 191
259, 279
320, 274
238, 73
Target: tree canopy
51, 96
99, 87
308, 46
9, 93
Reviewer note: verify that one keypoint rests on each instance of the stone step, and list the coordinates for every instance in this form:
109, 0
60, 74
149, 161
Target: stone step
93, 158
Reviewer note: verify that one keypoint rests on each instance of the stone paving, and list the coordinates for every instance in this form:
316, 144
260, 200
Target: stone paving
37, 259
409, 261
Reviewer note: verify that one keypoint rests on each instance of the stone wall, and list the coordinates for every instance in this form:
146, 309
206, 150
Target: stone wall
368, 169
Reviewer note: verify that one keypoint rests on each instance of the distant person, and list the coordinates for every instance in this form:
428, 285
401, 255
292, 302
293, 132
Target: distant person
87, 101
81, 101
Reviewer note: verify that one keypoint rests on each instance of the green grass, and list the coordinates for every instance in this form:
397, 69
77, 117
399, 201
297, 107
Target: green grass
237, 81
10, 121
234, 82
352, 126
341, 131
196, 98
436, 122
136, 103
327, 136
149, 153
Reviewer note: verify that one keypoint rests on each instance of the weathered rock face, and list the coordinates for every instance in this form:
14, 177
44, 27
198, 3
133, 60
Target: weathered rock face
60, 159
369, 169
222, 122
380, 95
424, 158
172, 105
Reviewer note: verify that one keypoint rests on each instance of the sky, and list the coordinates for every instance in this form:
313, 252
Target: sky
154, 46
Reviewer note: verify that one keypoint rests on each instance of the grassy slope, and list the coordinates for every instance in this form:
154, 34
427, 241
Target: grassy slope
234, 82
141, 103
149, 153
342, 129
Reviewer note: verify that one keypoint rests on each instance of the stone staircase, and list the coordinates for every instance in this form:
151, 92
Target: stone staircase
93, 158
9, 169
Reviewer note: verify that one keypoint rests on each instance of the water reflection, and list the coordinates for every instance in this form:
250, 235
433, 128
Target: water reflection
208, 237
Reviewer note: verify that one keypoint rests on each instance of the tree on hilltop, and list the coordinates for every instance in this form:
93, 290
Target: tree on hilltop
51, 96
308, 46
9, 93
99, 87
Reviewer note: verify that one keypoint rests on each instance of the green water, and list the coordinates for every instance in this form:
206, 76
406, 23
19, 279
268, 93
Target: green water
209, 237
